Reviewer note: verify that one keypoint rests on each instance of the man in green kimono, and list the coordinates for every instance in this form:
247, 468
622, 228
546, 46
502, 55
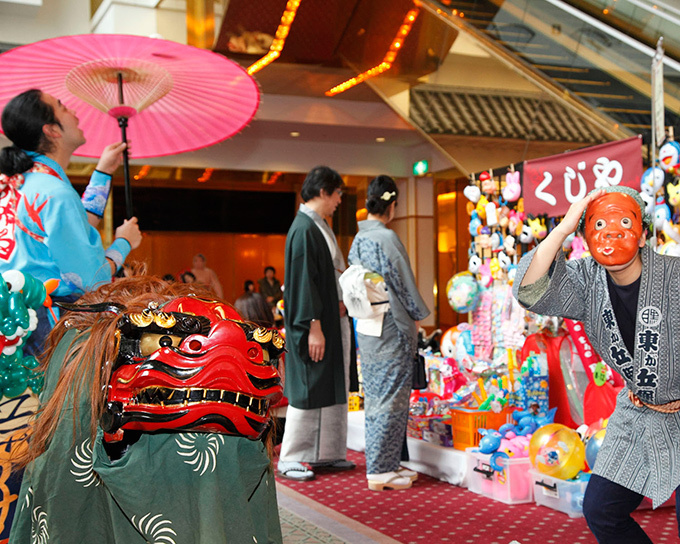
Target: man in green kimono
317, 336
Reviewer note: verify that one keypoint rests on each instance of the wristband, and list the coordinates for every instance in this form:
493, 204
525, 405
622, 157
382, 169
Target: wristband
118, 251
97, 193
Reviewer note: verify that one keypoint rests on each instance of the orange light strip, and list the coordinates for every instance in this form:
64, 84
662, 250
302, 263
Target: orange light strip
389, 58
280, 38
143, 172
207, 174
273, 179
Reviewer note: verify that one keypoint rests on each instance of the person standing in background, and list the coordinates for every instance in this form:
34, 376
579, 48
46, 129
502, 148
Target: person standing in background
387, 354
251, 306
317, 336
270, 287
206, 276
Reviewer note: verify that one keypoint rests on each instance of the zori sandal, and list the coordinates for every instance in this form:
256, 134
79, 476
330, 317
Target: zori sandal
406, 473
388, 480
292, 470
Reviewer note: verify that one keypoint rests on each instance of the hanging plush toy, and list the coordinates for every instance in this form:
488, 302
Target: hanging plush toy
672, 244
483, 240
673, 191
488, 183
474, 263
495, 241
481, 207
475, 224
512, 190
503, 260
491, 214
509, 245
652, 180
661, 213
503, 214
485, 276
515, 223
538, 227
472, 193
495, 268
578, 249
527, 235
669, 157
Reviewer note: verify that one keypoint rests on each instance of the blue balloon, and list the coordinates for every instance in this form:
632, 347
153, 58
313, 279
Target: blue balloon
593, 447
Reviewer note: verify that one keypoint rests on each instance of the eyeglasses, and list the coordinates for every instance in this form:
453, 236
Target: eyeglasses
339, 191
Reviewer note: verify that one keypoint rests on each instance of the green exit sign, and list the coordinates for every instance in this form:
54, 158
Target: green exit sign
421, 168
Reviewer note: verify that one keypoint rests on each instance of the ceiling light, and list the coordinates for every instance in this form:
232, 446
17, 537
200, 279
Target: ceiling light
280, 39
380, 139
295, 134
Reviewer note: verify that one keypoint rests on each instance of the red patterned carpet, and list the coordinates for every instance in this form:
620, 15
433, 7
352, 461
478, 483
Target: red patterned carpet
433, 511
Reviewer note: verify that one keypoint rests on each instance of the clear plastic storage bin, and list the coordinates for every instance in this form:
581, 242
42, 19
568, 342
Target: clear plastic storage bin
562, 495
512, 486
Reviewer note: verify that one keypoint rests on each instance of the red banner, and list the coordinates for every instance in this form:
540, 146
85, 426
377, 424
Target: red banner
551, 184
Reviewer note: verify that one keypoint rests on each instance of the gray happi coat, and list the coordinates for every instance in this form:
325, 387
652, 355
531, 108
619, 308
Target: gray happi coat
641, 449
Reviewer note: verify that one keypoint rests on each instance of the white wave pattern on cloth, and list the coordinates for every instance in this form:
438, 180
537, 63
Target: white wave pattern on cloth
155, 529
27, 498
201, 450
82, 463
39, 527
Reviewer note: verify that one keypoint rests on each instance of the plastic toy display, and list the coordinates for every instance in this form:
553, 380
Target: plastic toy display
557, 451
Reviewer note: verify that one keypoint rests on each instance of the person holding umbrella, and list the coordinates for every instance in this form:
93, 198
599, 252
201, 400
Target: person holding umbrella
46, 230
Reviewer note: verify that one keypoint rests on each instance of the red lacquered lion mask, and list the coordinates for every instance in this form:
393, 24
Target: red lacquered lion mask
193, 365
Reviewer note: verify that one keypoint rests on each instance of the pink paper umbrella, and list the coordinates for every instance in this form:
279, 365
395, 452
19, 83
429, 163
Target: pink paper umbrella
178, 98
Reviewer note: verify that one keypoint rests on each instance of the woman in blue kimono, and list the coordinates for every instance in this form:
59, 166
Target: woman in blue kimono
46, 229
387, 356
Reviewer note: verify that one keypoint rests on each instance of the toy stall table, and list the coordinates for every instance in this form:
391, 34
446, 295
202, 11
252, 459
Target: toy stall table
443, 463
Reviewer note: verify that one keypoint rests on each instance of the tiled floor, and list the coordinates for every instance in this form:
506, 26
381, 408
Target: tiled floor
305, 520
298, 531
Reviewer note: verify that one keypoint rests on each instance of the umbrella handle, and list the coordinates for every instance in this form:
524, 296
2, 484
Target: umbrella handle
122, 123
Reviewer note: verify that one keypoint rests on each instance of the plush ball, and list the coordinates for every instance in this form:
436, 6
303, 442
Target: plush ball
557, 451
463, 292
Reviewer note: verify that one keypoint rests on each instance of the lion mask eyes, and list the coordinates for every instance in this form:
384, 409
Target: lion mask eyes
150, 342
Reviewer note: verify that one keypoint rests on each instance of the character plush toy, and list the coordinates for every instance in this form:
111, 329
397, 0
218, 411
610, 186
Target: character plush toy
673, 190
488, 183
512, 190
669, 156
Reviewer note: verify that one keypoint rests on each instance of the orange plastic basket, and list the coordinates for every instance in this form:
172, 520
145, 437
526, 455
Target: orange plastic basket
465, 422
